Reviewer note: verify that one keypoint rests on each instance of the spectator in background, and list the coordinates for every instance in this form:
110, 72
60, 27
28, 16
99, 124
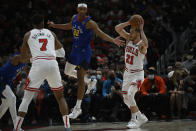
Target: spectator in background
189, 85
108, 85
153, 94
175, 95
190, 61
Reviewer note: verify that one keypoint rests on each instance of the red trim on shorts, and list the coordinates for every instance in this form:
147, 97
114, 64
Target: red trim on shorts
32, 89
44, 57
18, 124
56, 89
133, 71
27, 83
123, 92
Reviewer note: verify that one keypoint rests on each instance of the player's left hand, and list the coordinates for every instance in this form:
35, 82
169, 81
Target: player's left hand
118, 41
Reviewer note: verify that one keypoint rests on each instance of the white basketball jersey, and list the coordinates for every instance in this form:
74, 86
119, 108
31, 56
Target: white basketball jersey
134, 59
42, 44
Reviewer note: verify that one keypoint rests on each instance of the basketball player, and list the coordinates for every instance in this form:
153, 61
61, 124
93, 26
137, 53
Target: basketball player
7, 74
136, 48
82, 27
42, 43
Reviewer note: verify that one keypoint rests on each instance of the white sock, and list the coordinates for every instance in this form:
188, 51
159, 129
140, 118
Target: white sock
78, 103
66, 121
19, 121
138, 114
133, 116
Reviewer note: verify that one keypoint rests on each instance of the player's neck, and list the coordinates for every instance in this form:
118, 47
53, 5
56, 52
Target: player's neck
136, 41
81, 18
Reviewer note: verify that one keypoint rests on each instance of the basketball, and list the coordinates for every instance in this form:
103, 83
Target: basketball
134, 20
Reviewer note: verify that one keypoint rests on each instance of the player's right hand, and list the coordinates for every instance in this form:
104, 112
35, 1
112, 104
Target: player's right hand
50, 24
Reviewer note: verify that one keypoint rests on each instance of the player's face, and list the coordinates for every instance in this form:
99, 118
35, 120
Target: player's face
133, 34
82, 11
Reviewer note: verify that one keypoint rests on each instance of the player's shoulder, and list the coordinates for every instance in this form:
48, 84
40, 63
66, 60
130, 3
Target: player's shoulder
27, 34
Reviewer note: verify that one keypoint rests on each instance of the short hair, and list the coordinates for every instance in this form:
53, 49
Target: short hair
36, 19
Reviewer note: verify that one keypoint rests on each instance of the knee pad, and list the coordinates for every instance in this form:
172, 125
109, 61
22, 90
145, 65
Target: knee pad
70, 70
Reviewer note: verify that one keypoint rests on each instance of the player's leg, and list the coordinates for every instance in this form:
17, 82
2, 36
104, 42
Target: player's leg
63, 108
22, 111
71, 71
3, 107
35, 79
54, 80
11, 102
80, 93
137, 117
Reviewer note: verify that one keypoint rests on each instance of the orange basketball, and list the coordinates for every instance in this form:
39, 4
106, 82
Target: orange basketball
134, 20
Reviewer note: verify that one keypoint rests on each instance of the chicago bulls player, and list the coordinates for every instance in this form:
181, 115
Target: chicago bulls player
42, 44
136, 48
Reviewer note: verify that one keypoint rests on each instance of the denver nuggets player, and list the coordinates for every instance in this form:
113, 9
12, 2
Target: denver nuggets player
82, 27
135, 51
7, 73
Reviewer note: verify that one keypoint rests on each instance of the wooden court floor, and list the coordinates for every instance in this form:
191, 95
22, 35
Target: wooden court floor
177, 125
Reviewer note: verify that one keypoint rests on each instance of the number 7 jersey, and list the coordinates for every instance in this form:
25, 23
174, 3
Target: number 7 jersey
42, 44
134, 59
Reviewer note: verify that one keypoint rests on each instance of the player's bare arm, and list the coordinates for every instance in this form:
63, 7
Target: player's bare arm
67, 26
144, 44
93, 25
58, 44
60, 52
25, 51
121, 31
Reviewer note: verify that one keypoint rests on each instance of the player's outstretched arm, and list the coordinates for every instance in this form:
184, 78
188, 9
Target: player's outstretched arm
93, 25
67, 26
121, 31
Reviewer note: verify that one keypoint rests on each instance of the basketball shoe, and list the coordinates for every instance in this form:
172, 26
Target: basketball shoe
136, 123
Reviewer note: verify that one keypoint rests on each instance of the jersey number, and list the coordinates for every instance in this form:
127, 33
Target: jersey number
129, 59
76, 32
45, 42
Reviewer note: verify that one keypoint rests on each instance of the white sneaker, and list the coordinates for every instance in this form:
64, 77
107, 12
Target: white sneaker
136, 123
142, 119
75, 113
133, 124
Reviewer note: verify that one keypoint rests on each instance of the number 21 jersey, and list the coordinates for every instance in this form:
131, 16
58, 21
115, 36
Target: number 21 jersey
134, 59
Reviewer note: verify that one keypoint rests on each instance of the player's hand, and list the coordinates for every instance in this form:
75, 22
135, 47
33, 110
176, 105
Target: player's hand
118, 41
50, 24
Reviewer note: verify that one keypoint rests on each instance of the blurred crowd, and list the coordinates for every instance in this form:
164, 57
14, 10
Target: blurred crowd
162, 96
